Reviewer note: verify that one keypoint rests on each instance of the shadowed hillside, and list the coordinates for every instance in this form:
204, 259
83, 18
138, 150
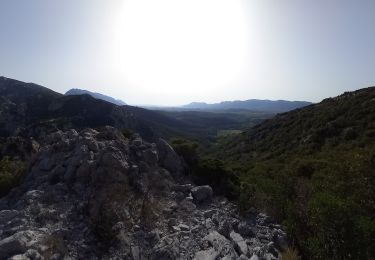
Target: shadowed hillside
25, 106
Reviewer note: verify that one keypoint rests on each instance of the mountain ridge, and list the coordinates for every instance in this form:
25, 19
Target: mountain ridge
76, 91
25, 106
276, 106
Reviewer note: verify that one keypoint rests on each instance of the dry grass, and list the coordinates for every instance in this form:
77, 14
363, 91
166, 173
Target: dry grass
290, 254
55, 244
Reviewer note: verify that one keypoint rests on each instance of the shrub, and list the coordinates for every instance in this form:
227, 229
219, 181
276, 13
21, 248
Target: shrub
127, 132
212, 172
11, 172
186, 148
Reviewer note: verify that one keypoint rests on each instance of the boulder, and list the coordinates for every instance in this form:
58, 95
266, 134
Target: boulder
150, 156
254, 257
209, 254
222, 245
280, 240
137, 142
263, 220
164, 254
241, 246
202, 194
30, 254
225, 227
184, 227
271, 249
17, 243
209, 213
135, 252
169, 159
112, 157
7, 215
245, 230
184, 188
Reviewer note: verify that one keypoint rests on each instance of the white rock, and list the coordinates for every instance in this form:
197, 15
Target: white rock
240, 242
210, 254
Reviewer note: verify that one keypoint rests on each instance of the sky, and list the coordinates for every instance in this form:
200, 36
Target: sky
173, 52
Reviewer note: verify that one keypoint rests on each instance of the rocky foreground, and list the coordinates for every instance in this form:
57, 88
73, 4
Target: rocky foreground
99, 195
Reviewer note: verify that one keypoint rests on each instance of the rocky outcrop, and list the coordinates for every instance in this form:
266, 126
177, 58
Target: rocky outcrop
169, 158
98, 195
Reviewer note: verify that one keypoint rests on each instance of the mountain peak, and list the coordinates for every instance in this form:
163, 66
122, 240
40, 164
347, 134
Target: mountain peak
76, 91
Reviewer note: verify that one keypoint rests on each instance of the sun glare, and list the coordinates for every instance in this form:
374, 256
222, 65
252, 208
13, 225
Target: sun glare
180, 46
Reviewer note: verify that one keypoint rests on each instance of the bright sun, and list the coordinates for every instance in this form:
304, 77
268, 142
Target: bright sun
180, 46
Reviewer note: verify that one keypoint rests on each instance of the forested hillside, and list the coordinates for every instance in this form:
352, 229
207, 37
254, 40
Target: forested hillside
314, 170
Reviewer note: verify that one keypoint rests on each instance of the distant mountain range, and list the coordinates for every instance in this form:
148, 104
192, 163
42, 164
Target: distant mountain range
76, 91
268, 106
275, 106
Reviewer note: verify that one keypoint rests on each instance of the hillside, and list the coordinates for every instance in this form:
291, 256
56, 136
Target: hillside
27, 108
76, 91
314, 169
270, 106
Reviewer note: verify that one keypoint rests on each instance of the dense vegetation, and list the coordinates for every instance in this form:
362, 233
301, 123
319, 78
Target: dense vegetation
313, 169
206, 170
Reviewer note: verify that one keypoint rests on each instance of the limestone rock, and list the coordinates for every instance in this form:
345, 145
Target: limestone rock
254, 257
17, 243
169, 159
245, 229
209, 254
240, 243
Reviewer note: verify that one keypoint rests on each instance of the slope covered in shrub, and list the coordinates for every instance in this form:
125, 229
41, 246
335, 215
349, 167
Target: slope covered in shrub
314, 169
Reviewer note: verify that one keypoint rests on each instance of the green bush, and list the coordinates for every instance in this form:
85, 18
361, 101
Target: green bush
331, 221
207, 171
187, 149
11, 173
213, 172
127, 132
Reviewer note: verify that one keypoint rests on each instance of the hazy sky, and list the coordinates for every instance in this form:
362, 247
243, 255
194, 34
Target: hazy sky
170, 52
